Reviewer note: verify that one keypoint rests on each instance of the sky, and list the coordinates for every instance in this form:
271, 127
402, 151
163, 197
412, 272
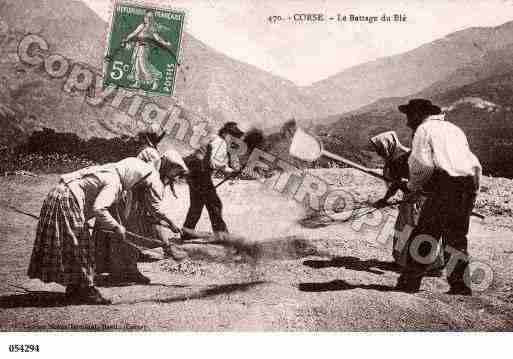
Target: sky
305, 52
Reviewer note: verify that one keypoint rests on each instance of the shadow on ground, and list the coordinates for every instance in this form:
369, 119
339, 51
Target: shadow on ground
340, 285
44, 299
39, 299
371, 265
209, 291
105, 283
213, 291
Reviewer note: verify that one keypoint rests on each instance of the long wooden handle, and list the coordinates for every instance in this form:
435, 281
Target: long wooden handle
141, 241
353, 164
369, 171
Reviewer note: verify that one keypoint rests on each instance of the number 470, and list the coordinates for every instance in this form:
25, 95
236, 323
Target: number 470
118, 70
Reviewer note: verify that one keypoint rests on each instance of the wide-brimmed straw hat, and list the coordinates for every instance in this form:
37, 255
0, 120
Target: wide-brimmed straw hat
420, 106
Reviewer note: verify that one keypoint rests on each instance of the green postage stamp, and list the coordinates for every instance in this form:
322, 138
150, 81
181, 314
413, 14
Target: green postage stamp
143, 49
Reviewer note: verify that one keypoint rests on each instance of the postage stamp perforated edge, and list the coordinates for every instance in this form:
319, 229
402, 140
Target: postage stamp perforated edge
146, 5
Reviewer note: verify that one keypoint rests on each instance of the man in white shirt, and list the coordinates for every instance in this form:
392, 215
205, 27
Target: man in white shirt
202, 164
443, 168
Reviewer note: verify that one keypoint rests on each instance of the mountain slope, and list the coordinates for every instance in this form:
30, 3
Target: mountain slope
209, 83
483, 109
232, 90
409, 72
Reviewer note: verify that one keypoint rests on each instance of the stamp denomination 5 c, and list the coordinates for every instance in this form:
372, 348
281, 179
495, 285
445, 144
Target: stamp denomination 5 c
143, 48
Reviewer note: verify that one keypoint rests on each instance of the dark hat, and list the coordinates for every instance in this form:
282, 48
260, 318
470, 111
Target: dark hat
232, 128
420, 105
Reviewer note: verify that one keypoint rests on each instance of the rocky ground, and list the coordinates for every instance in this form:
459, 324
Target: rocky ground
329, 275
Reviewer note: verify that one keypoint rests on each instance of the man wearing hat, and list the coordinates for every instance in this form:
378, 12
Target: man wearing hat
443, 168
215, 156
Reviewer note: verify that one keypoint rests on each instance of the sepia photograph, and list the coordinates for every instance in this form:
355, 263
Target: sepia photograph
228, 166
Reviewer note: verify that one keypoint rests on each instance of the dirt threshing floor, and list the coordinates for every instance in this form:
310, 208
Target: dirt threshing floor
326, 276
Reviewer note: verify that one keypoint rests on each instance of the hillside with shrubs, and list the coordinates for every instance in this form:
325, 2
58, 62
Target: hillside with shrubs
48, 151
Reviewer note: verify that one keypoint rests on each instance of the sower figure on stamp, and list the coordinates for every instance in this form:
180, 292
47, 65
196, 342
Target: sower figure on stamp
63, 249
146, 36
442, 167
202, 164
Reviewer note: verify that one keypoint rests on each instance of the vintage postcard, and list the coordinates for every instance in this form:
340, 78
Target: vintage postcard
256, 166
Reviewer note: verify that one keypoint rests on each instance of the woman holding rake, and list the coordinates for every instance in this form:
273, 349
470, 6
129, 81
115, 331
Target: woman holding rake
63, 249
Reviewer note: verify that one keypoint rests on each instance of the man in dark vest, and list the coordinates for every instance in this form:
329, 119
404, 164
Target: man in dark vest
216, 156
443, 168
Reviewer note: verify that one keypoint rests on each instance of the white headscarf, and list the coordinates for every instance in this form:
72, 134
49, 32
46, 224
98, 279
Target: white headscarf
150, 155
174, 156
388, 146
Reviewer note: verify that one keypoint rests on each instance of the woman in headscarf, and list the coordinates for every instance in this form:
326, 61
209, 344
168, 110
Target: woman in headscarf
139, 219
395, 155
118, 259
149, 152
396, 172
63, 249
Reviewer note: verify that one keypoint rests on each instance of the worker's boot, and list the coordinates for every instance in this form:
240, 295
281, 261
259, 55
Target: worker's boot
87, 295
187, 235
221, 236
138, 278
174, 252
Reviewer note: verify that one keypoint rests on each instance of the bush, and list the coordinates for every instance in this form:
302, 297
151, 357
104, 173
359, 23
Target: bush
48, 151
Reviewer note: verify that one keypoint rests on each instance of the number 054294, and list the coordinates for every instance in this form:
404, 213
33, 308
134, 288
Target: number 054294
23, 348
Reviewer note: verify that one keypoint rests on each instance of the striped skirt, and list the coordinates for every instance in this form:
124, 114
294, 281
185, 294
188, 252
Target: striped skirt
63, 250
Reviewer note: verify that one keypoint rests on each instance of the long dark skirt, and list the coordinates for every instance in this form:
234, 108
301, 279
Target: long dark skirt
408, 215
63, 250
114, 256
